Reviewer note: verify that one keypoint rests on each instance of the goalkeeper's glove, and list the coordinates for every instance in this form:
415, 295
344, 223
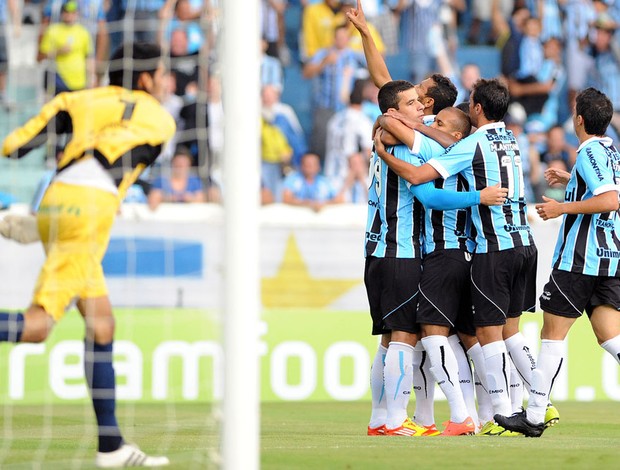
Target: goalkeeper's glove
21, 228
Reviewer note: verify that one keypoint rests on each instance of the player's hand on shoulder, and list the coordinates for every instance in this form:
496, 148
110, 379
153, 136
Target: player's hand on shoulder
493, 195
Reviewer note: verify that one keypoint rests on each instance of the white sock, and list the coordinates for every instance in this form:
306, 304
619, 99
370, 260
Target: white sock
550, 361
466, 379
446, 372
423, 387
378, 414
397, 378
485, 407
516, 389
498, 376
612, 346
521, 356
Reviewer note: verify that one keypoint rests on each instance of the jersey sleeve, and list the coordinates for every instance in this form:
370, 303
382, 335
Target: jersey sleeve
455, 159
425, 147
53, 118
594, 170
444, 199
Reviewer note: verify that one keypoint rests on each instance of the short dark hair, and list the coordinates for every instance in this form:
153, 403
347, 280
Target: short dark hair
443, 92
462, 120
464, 106
142, 57
388, 94
357, 94
595, 109
492, 95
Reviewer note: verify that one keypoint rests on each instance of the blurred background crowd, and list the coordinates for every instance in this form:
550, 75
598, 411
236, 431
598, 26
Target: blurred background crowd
318, 103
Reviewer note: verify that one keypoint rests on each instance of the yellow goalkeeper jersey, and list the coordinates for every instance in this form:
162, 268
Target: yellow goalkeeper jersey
124, 130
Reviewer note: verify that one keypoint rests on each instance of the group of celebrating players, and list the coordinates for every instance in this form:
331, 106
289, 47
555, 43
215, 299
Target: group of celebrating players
451, 261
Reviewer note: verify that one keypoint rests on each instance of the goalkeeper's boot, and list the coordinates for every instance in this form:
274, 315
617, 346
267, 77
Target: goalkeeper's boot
408, 428
431, 430
466, 428
128, 455
552, 415
491, 428
518, 422
378, 431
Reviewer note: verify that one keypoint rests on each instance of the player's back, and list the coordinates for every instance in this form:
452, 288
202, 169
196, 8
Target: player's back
111, 121
487, 157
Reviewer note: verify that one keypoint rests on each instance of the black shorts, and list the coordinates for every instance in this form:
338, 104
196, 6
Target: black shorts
445, 294
503, 284
569, 294
392, 288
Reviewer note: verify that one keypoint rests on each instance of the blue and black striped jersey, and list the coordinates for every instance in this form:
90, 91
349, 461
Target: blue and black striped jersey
447, 229
487, 157
590, 243
393, 229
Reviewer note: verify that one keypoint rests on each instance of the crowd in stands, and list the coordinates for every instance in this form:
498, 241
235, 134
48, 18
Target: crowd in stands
547, 50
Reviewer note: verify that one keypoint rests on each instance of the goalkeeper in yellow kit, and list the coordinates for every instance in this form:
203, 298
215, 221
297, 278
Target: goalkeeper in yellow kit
115, 132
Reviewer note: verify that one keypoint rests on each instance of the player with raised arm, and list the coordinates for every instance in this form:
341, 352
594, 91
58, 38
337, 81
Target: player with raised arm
115, 133
392, 271
586, 262
504, 264
435, 93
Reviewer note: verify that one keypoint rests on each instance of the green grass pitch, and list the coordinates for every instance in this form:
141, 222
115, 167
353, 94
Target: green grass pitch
305, 436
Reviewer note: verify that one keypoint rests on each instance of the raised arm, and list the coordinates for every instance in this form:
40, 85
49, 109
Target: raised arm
376, 65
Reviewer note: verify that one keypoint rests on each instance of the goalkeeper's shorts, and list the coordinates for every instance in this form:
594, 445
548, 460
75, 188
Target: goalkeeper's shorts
74, 223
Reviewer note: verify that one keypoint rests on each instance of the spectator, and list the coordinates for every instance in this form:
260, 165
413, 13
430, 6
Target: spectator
470, 74
272, 25
141, 22
284, 118
185, 18
319, 21
180, 185
558, 149
417, 20
92, 16
482, 14
333, 71
183, 63
276, 153
531, 54
307, 187
270, 69
67, 46
603, 72
370, 104
348, 132
13, 9
552, 71
355, 187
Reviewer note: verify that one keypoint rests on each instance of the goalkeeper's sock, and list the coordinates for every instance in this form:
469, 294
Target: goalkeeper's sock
446, 373
423, 387
377, 390
11, 327
397, 377
550, 360
612, 346
101, 382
